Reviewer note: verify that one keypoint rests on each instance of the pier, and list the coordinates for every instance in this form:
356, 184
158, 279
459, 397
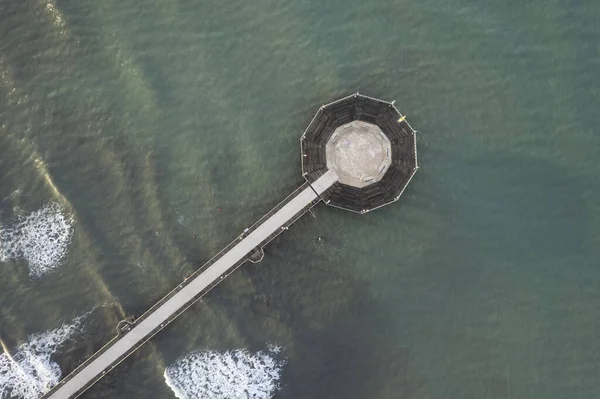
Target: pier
358, 154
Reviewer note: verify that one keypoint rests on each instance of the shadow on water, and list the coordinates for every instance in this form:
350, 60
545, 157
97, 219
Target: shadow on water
139, 376
335, 337
348, 359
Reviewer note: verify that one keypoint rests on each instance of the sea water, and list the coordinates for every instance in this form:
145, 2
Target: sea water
163, 130
30, 370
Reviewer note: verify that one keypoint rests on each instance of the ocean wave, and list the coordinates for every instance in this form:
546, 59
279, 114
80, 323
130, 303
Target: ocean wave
30, 372
236, 374
41, 238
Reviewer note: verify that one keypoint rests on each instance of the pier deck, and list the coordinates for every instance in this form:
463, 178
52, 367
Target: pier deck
208, 276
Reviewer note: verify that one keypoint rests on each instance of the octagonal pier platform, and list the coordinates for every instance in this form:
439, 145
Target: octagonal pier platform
358, 153
371, 146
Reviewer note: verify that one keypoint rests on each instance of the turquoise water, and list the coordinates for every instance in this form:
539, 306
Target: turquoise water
125, 126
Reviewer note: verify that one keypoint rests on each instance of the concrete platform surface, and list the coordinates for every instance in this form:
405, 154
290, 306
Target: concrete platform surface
359, 152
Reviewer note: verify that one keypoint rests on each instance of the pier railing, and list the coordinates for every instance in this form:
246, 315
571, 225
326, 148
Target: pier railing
187, 280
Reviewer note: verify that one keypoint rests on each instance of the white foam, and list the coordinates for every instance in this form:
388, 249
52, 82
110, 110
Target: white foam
41, 238
236, 374
14, 194
139, 264
181, 219
29, 372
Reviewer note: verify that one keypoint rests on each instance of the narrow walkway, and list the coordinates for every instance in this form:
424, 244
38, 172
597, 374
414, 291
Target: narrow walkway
185, 295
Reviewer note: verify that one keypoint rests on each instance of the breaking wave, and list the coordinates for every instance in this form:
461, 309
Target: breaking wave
236, 374
29, 372
41, 238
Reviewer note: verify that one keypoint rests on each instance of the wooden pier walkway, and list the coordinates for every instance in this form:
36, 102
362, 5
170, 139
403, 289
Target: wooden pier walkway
246, 247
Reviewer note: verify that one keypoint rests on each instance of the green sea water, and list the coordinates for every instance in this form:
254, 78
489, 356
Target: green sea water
155, 132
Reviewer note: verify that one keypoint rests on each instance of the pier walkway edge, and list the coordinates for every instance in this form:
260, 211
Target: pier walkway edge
248, 246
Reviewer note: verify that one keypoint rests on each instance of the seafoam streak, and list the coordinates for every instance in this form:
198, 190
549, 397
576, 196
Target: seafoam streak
236, 374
